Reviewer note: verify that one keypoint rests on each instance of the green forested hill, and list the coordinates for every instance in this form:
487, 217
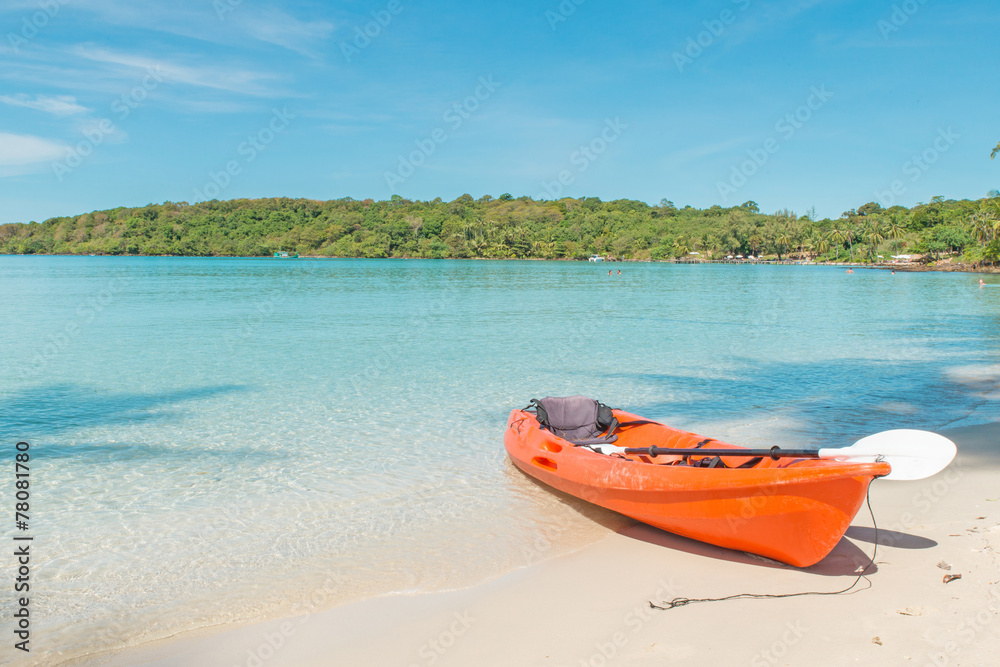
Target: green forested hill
509, 227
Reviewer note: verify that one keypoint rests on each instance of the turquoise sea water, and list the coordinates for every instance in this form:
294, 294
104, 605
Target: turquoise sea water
223, 440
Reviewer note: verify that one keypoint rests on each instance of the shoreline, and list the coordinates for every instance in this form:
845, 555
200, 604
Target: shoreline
908, 268
591, 606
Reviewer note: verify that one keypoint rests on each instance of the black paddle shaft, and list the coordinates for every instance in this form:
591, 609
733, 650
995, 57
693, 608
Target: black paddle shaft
774, 452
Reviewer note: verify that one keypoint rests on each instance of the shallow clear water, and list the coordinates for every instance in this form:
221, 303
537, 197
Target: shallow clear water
221, 440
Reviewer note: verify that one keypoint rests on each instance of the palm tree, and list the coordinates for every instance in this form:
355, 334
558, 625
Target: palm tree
995, 151
711, 243
681, 248
546, 246
894, 230
851, 233
782, 240
800, 239
872, 233
820, 242
979, 229
837, 238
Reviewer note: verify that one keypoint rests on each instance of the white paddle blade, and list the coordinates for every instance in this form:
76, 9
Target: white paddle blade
912, 454
606, 449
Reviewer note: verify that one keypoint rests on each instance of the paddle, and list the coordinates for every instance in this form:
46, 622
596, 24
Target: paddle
911, 454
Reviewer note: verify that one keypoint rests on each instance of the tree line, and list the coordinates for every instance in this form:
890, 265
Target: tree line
516, 227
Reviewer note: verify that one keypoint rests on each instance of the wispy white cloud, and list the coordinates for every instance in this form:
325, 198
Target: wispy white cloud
349, 124
94, 127
862, 41
763, 16
695, 153
19, 150
218, 22
215, 106
346, 130
61, 69
245, 81
59, 105
276, 27
13, 6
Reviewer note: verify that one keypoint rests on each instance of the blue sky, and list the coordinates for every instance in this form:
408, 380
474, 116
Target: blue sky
794, 104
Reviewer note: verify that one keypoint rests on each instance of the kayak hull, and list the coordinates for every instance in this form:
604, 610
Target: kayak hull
792, 510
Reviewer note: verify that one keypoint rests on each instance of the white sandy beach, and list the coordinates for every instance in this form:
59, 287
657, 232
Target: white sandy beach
591, 607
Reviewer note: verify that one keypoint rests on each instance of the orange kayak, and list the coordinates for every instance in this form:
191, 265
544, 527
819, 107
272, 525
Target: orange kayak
792, 510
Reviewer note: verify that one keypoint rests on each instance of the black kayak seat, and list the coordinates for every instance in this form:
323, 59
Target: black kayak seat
578, 419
